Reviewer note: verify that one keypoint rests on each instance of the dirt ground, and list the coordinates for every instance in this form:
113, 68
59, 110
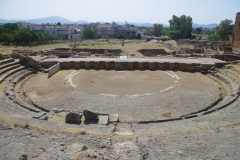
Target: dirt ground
130, 46
134, 95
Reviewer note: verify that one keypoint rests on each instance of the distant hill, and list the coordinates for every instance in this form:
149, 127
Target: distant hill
55, 19
204, 25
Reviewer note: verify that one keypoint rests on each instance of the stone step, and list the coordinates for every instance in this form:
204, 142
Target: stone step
9, 68
9, 108
10, 73
233, 85
17, 78
8, 64
6, 61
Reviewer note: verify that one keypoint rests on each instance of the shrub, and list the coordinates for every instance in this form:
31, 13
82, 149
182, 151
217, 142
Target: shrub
167, 114
2, 56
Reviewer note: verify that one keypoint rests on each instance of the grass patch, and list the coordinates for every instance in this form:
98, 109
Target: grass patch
166, 114
26, 126
2, 56
84, 148
83, 132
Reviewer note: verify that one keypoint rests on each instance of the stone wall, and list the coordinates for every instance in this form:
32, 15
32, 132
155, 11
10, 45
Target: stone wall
236, 34
111, 65
54, 69
153, 52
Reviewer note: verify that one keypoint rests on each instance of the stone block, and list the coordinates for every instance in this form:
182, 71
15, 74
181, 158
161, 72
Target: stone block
103, 119
151, 65
166, 65
161, 66
206, 66
44, 117
107, 65
117, 65
176, 66
51, 113
182, 66
56, 110
171, 65
90, 115
73, 118
82, 64
140, 65
87, 65
130, 65
113, 118
77, 65
156, 65
97, 65
189, 66
40, 114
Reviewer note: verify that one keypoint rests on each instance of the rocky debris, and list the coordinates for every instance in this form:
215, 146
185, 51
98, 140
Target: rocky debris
103, 120
73, 118
23, 157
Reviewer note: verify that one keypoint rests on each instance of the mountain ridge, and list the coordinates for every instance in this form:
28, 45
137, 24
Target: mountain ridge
55, 19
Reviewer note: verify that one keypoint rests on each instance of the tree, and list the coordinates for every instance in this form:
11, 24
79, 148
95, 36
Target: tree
139, 36
59, 24
120, 36
180, 27
157, 29
212, 37
224, 29
89, 33
198, 30
6, 37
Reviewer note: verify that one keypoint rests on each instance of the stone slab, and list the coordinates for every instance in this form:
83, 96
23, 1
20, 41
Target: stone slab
103, 119
113, 118
40, 114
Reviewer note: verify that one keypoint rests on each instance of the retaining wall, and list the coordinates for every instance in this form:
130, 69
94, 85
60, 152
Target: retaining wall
54, 69
28, 61
112, 65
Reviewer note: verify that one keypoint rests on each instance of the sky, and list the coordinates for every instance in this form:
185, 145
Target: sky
143, 11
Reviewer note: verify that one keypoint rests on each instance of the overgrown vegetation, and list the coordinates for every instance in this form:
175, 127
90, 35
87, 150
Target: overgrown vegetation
11, 32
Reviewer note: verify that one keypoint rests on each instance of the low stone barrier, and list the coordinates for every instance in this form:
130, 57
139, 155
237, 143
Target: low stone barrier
54, 69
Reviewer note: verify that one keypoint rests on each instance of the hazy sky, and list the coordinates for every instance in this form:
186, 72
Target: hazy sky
151, 11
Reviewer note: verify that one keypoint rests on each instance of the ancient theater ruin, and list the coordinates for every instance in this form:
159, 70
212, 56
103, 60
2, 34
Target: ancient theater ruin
106, 103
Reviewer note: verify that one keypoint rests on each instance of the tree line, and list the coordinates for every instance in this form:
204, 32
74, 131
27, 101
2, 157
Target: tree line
181, 28
11, 32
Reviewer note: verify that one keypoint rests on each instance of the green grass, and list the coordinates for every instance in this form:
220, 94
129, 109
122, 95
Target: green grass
26, 126
166, 114
83, 132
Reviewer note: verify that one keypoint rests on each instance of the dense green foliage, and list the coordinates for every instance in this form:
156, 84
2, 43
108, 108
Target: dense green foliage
157, 29
212, 37
1, 56
89, 33
10, 32
198, 30
120, 36
224, 29
180, 27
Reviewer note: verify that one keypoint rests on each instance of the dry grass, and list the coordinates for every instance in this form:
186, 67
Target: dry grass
130, 46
